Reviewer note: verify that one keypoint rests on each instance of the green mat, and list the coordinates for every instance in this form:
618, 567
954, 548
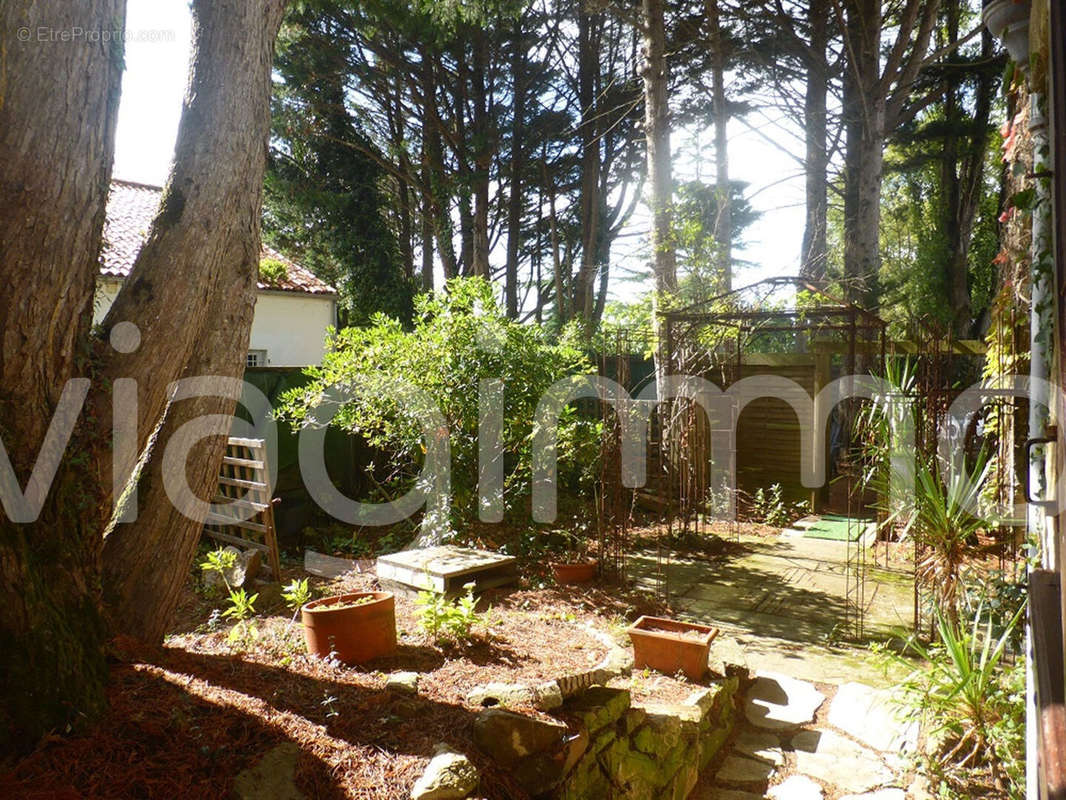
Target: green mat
836, 528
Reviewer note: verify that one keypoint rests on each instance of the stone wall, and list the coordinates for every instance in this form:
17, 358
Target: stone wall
602, 744
647, 751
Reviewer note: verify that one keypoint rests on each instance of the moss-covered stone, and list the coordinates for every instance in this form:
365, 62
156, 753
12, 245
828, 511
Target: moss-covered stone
711, 744
683, 782
598, 706
636, 770
647, 752
633, 719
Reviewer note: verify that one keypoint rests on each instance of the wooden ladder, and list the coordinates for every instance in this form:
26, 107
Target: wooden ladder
243, 486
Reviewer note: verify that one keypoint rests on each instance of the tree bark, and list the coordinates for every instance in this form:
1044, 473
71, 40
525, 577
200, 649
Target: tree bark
967, 178
864, 111
438, 201
815, 251
660, 177
589, 26
211, 198
514, 201
50, 570
146, 562
55, 168
723, 224
483, 153
874, 101
657, 131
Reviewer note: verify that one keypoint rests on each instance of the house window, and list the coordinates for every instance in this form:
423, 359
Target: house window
256, 358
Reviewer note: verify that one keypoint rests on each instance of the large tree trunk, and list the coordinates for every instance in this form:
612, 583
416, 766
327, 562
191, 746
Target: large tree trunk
482, 157
212, 194
723, 223
437, 196
145, 562
968, 184
815, 244
50, 570
864, 112
589, 27
55, 168
875, 101
514, 202
660, 177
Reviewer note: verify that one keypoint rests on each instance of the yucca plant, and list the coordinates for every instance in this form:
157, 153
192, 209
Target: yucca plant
944, 522
965, 697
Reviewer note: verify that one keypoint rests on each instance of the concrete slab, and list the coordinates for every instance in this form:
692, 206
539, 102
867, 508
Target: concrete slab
446, 568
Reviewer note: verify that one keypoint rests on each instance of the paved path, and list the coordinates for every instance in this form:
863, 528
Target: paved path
789, 748
780, 605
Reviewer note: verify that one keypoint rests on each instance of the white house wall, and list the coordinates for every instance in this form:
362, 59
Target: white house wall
289, 326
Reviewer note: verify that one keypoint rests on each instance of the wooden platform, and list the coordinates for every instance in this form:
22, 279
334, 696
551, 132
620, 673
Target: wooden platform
447, 569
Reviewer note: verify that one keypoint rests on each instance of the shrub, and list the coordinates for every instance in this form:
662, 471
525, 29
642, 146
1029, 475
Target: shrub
460, 338
971, 702
442, 618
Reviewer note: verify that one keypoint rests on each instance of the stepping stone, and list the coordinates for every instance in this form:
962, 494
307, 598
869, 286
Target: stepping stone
871, 716
839, 762
763, 746
797, 787
881, 794
737, 769
776, 702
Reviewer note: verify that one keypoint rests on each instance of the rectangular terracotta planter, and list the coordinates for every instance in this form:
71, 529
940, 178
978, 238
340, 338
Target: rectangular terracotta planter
670, 646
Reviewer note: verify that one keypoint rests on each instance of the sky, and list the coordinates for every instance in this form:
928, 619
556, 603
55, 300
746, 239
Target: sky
157, 56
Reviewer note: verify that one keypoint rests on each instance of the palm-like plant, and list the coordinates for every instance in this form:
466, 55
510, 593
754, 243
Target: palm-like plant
963, 693
944, 522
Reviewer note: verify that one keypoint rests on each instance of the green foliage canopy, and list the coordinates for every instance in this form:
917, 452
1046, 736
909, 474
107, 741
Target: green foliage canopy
460, 338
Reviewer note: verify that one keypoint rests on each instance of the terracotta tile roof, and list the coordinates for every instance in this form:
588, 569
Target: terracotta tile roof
130, 209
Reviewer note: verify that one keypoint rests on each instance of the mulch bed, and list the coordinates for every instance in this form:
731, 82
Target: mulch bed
187, 717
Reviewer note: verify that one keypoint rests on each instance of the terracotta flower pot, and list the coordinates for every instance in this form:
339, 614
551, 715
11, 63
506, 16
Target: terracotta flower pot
356, 631
575, 571
670, 646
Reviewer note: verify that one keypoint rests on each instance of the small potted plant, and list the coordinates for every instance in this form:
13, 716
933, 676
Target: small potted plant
671, 646
574, 565
354, 627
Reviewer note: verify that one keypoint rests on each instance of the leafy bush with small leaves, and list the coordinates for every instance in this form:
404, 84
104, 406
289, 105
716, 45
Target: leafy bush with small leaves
441, 618
460, 338
273, 270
